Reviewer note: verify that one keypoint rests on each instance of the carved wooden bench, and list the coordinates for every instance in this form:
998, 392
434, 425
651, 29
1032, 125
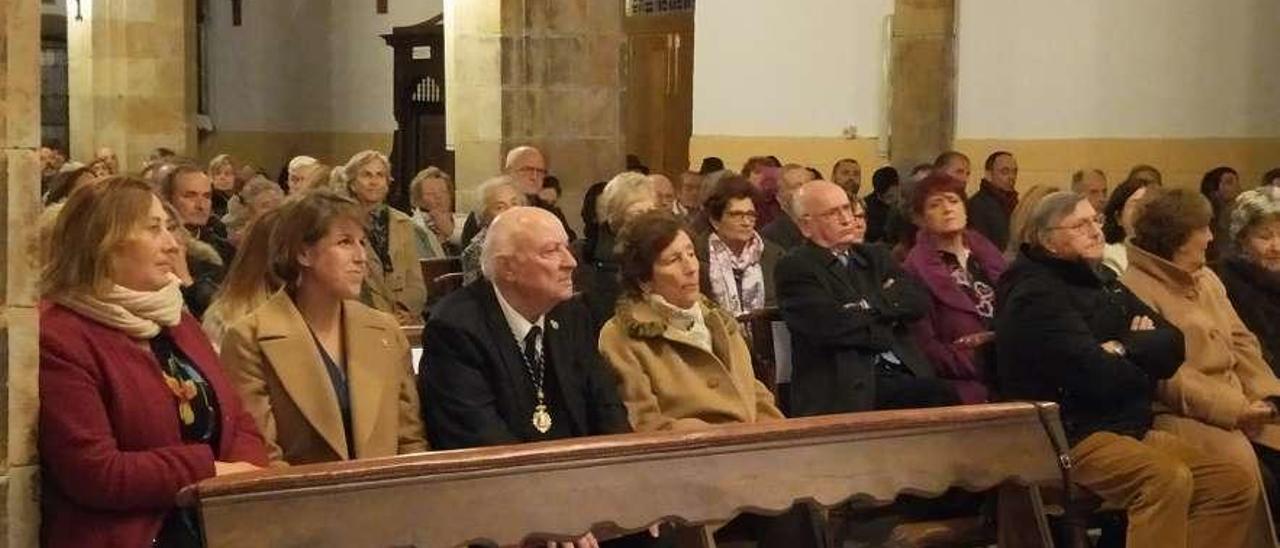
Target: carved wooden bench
617, 484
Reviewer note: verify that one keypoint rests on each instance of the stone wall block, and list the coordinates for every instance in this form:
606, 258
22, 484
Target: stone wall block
565, 60
21, 348
923, 17
513, 55
21, 194
20, 78
567, 16
20, 523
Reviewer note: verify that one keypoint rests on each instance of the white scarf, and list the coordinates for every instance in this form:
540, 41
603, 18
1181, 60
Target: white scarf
724, 288
690, 320
140, 314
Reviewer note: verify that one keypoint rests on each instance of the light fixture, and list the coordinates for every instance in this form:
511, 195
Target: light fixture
79, 16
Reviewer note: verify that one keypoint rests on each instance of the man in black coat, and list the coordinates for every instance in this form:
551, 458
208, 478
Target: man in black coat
783, 230
528, 167
512, 358
848, 308
992, 205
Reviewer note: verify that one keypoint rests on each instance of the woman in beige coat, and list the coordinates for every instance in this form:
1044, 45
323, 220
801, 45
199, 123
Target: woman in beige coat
394, 281
325, 377
1224, 396
681, 360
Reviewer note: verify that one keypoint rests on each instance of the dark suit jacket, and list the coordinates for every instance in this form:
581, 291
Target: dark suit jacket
784, 232
840, 319
989, 217
472, 376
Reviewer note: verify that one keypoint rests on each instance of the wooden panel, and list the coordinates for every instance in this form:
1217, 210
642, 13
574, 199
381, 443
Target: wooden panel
613, 484
658, 103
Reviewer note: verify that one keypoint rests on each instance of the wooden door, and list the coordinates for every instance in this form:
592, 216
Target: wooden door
658, 102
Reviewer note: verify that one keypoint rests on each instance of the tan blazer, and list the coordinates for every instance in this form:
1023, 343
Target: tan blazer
1224, 371
401, 292
668, 382
271, 357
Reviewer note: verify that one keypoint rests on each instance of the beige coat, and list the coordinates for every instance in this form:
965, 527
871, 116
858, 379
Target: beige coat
401, 292
668, 382
1224, 371
271, 357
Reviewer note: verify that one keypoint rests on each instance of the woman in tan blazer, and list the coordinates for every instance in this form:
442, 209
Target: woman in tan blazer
394, 281
325, 377
681, 360
1224, 397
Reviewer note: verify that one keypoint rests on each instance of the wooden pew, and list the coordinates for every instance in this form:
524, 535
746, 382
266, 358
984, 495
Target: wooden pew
617, 484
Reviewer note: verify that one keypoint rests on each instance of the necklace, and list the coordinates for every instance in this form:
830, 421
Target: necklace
541, 418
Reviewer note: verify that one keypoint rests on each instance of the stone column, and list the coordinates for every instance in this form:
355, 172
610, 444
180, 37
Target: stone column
923, 79
132, 77
19, 208
540, 72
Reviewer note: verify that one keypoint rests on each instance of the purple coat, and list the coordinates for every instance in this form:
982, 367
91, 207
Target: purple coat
952, 313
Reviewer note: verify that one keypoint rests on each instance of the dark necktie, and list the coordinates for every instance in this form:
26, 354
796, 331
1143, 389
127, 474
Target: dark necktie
533, 358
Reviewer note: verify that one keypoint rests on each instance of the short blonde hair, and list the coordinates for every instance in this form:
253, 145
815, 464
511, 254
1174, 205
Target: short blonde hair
302, 222
94, 221
623, 190
220, 161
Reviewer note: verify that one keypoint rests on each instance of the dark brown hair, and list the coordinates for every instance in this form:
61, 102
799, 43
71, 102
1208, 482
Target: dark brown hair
642, 240
304, 221
1168, 219
729, 188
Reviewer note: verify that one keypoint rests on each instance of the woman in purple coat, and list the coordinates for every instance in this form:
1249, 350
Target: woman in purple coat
960, 268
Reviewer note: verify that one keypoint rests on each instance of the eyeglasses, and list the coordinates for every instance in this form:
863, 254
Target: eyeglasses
532, 169
840, 212
741, 215
1084, 224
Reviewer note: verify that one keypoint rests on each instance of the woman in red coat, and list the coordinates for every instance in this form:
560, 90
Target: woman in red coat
133, 402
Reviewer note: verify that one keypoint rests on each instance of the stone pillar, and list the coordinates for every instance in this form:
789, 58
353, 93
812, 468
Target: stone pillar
132, 77
540, 72
923, 79
19, 208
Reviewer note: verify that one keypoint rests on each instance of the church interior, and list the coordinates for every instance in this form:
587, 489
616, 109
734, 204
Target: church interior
807, 273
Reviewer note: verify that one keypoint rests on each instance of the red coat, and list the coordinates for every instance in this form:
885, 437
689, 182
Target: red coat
110, 441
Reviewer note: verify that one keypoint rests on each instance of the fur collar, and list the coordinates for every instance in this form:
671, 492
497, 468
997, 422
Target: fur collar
643, 320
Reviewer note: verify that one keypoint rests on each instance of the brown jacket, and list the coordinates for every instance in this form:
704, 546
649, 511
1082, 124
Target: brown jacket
668, 382
1224, 371
271, 357
401, 292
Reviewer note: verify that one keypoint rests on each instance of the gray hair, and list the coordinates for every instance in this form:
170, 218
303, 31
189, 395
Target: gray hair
299, 162
357, 161
1253, 207
1048, 214
415, 187
623, 190
488, 188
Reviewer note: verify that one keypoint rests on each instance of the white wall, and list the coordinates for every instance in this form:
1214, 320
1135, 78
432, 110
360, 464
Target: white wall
1107, 68
794, 68
305, 65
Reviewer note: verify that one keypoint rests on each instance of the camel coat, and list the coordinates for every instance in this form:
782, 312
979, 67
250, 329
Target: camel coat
401, 292
668, 382
272, 358
1223, 373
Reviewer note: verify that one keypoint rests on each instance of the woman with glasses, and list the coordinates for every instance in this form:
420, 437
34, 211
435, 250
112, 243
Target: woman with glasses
737, 264
1224, 395
960, 268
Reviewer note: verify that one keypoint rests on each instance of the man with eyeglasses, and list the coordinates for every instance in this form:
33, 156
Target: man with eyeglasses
848, 307
528, 167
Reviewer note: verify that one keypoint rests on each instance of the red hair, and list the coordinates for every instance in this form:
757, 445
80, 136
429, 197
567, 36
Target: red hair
936, 183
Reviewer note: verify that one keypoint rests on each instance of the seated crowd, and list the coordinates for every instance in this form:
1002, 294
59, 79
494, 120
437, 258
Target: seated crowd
201, 320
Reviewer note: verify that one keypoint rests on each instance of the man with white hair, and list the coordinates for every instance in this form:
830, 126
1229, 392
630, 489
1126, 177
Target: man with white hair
528, 167
783, 230
511, 358
849, 308
109, 161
